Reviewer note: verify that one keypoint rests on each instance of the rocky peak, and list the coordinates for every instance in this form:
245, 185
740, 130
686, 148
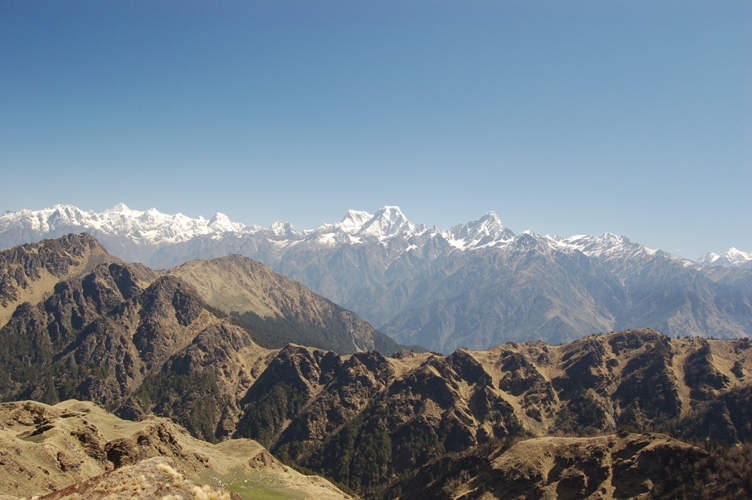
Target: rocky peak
528, 240
480, 233
29, 272
294, 364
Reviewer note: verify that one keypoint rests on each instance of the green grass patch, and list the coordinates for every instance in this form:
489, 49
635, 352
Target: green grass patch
256, 485
35, 438
251, 491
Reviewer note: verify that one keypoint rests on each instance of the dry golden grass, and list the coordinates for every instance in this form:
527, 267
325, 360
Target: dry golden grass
48, 448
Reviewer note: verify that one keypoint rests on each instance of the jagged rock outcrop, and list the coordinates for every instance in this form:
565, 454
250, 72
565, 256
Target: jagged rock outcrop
28, 272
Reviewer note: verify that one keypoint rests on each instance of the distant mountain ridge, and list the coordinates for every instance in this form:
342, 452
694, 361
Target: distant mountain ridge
151, 227
474, 285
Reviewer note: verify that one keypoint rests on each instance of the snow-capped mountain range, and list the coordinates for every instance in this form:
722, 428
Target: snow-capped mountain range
144, 227
475, 284
153, 228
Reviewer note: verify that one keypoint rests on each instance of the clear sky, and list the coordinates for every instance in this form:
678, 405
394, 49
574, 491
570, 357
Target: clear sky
564, 117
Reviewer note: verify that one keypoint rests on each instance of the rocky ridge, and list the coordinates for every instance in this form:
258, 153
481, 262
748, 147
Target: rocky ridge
366, 420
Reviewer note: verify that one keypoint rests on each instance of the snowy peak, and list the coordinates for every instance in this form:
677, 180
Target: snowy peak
44, 221
283, 230
388, 221
62, 214
118, 209
222, 223
353, 221
490, 223
597, 246
608, 247
484, 232
613, 249
149, 226
730, 258
153, 228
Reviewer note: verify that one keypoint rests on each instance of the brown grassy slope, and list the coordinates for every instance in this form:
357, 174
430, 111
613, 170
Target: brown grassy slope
634, 466
235, 284
46, 448
157, 477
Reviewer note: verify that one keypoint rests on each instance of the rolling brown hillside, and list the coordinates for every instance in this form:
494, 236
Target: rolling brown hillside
49, 448
277, 309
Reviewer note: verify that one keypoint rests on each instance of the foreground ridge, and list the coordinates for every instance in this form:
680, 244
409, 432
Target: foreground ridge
78, 450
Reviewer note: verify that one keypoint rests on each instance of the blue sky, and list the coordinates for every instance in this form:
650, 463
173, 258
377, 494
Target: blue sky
565, 118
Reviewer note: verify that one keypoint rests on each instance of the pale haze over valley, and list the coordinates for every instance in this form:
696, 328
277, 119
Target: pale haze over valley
632, 118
